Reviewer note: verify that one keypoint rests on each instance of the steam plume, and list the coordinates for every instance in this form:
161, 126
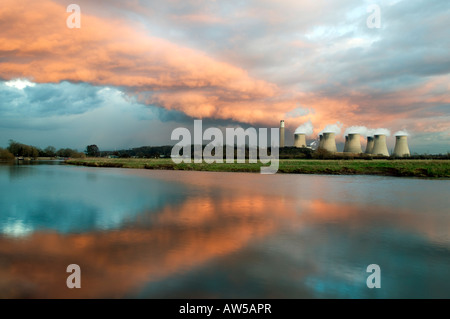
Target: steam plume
306, 128
332, 128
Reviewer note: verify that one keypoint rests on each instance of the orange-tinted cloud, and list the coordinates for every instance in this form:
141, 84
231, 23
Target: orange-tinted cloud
36, 43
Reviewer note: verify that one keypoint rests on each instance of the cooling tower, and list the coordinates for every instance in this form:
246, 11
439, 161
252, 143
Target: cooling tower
282, 133
369, 146
379, 145
299, 140
320, 142
346, 145
329, 142
354, 143
401, 146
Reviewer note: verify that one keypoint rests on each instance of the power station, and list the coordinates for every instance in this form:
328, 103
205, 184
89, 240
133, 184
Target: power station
401, 146
376, 145
353, 143
300, 140
346, 144
329, 142
369, 146
380, 146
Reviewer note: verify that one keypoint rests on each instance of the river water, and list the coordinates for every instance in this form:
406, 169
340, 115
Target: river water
181, 234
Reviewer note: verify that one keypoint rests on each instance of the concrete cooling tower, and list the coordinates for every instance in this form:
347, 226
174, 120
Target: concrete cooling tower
329, 142
369, 146
380, 146
346, 145
320, 142
401, 146
282, 133
299, 140
353, 143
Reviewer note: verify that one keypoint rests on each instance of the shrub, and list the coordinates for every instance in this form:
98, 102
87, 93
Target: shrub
5, 154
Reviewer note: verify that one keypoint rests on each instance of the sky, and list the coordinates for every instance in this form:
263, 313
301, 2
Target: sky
136, 70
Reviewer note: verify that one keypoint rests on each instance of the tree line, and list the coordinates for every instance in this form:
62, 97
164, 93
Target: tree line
16, 149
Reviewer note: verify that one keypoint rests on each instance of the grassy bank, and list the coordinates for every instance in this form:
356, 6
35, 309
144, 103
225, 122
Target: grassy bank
413, 168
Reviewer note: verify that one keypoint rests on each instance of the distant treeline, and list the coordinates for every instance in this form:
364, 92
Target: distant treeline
16, 149
284, 153
141, 152
163, 151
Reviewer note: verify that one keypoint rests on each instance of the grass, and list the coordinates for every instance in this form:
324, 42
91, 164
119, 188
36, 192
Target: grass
412, 168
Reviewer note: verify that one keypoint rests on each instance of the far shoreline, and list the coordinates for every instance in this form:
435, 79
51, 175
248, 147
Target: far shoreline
435, 169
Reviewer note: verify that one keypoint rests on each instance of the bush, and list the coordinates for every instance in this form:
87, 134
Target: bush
78, 155
323, 154
5, 154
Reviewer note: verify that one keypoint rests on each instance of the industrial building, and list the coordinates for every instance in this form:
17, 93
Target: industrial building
401, 146
329, 142
353, 143
300, 140
369, 146
380, 146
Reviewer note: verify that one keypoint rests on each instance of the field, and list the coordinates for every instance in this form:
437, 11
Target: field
412, 168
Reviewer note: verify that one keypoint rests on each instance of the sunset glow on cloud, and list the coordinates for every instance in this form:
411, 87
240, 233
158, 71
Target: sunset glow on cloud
251, 63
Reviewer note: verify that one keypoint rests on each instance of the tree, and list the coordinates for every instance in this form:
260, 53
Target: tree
34, 152
92, 150
15, 148
50, 151
76, 154
5, 154
68, 152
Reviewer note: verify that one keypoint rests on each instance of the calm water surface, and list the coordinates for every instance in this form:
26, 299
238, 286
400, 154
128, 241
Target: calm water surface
167, 234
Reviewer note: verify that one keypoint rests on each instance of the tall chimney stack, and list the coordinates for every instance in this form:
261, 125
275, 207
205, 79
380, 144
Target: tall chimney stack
380, 146
401, 146
369, 146
282, 133
299, 140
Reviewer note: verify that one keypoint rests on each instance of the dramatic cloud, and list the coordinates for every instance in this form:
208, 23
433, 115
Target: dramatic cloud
253, 62
110, 52
76, 115
26, 99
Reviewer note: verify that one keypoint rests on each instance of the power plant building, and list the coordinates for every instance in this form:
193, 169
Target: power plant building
353, 143
401, 146
380, 146
299, 140
369, 146
346, 145
329, 142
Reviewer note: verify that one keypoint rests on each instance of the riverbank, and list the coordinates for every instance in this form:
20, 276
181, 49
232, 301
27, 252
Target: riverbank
409, 168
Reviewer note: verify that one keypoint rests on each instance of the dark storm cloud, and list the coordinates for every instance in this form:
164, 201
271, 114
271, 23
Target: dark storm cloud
44, 100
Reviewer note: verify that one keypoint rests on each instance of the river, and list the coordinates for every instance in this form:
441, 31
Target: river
182, 234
